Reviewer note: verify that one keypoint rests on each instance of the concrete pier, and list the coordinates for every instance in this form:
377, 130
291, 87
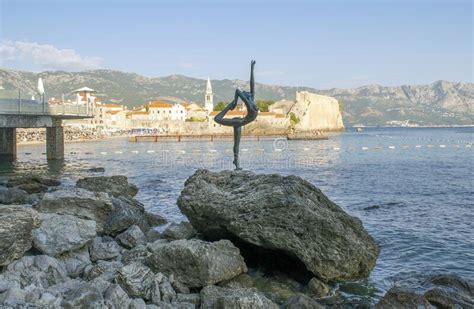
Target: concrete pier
55, 142
8, 143
29, 114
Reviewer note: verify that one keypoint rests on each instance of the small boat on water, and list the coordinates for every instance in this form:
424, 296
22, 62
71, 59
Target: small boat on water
359, 129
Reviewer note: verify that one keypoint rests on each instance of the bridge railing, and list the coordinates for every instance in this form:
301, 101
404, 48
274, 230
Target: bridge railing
31, 107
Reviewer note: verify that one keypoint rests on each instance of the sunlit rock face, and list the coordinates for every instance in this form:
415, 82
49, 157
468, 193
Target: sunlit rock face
277, 218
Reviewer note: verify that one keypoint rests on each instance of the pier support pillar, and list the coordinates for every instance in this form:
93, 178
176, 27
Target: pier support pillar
8, 143
55, 142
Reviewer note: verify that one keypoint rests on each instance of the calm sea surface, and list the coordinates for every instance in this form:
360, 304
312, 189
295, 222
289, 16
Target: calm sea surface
412, 188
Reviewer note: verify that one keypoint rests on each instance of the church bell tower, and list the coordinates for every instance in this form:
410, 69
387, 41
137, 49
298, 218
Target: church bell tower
209, 99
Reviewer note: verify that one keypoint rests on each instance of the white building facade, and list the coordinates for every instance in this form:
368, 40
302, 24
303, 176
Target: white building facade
209, 98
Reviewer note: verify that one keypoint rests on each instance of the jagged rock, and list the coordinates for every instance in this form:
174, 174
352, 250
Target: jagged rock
430, 291
401, 298
113, 185
14, 297
58, 234
155, 293
101, 284
157, 243
48, 300
216, 297
33, 293
33, 179
182, 230
78, 202
154, 219
9, 280
198, 263
126, 212
178, 286
176, 305
96, 169
75, 262
318, 288
281, 218
161, 305
40, 270
104, 248
136, 279
15, 196
152, 234
107, 270
192, 298
115, 297
167, 292
32, 188
138, 254
278, 287
301, 302
16, 232
240, 281
83, 295
132, 237
137, 303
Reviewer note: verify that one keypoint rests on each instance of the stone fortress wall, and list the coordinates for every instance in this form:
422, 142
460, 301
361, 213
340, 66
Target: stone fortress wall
316, 112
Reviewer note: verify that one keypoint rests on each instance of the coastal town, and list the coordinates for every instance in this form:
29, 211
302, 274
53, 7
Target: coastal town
309, 115
167, 116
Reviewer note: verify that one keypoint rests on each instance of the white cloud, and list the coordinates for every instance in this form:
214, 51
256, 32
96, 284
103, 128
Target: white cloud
46, 56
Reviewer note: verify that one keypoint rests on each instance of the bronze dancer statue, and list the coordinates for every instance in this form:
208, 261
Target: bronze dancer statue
238, 122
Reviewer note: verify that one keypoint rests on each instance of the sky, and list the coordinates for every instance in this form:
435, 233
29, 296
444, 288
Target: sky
320, 44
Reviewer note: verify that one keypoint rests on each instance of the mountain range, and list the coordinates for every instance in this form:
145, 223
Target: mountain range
439, 103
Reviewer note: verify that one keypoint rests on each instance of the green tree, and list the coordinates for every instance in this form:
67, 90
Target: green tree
264, 104
220, 106
294, 119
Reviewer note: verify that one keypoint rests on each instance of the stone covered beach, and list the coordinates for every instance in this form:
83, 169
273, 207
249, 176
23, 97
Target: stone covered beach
252, 241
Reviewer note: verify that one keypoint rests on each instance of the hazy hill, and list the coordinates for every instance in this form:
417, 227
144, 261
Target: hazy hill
439, 103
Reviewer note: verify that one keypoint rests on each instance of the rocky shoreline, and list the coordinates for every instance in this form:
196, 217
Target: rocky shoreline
252, 241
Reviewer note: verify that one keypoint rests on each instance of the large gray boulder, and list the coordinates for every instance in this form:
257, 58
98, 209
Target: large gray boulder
16, 232
430, 291
213, 297
58, 234
287, 217
78, 202
113, 185
127, 212
197, 263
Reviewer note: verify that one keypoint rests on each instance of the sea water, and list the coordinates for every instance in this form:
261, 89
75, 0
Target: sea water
411, 187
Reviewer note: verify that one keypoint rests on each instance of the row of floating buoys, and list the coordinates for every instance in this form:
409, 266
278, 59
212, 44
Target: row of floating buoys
258, 150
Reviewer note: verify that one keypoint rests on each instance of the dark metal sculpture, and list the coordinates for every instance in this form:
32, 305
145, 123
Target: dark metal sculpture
238, 122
